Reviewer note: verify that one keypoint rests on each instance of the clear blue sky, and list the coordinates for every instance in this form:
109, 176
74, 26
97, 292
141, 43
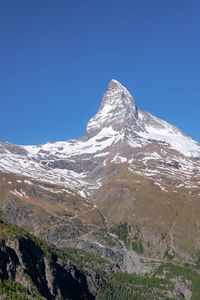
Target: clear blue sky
57, 57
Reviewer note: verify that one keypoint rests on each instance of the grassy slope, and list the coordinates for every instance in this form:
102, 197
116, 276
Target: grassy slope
49, 211
165, 219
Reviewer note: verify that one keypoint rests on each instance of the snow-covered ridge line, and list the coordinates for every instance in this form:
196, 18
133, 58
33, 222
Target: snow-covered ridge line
119, 133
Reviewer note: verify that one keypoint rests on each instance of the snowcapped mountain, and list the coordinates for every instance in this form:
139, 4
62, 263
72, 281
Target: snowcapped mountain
119, 133
120, 116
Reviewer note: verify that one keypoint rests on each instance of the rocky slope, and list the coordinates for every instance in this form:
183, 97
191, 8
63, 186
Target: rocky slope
46, 270
33, 269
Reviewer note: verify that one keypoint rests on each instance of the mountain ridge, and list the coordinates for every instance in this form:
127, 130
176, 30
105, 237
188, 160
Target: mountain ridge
124, 190
119, 133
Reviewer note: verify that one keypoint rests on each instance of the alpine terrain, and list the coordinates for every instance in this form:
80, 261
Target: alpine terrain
128, 190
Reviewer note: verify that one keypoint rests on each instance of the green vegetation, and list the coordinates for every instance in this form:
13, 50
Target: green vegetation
169, 255
121, 230
125, 233
12, 290
131, 287
137, 247
80, 258
106, 283
103, 236
186, 272
163, 236
198, 262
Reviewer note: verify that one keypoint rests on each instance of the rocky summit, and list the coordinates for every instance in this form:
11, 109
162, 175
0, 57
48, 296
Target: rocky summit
119, 133
128, 190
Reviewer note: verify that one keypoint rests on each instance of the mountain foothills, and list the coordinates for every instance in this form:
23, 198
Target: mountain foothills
128, 190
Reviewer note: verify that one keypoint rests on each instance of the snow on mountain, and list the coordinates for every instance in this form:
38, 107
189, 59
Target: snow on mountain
118, 110
118, 133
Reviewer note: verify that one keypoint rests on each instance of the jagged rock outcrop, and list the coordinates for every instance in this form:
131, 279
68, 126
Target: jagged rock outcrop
43, 269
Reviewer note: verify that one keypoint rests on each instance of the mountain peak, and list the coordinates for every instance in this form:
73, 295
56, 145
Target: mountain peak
114, 84
119, 116
117, 110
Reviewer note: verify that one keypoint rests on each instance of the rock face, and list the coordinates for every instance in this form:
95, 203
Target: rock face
33, 269
120, 132
117, 110
24, 260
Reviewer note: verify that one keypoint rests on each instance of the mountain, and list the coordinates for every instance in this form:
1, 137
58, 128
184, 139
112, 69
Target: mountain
33, 269
119, 133
129, 189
